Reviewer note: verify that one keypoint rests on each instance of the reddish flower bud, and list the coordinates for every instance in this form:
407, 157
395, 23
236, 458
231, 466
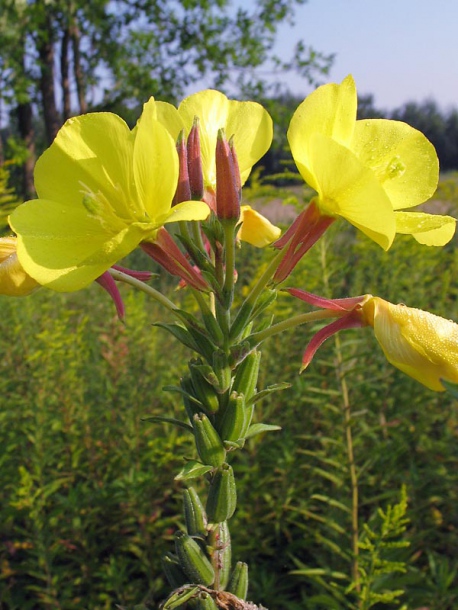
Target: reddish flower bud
228, 191
183, 192
196, 179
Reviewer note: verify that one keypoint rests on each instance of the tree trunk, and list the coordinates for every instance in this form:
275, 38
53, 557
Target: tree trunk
27, 133
78, 69
48, 97
64, 74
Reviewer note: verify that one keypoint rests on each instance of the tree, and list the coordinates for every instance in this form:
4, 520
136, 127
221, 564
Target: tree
127, 50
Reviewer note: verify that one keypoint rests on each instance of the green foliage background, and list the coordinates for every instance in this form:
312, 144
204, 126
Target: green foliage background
88, 502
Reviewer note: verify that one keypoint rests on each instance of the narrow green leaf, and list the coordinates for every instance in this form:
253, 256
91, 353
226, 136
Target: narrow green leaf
192, 469
259, 428
167, 420
179, 597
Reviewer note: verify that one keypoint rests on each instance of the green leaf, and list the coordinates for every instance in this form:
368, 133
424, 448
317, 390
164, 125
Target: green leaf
259, 428
271, 388
452, 388
167, 420
179, 597
192, 469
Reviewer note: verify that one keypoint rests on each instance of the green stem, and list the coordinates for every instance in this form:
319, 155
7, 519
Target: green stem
197, 235
303, 318
351, 468
229, 252
158, 296
265, 277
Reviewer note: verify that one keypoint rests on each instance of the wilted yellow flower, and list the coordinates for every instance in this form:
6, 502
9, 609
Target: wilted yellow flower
14, 281
256, 229
366, 171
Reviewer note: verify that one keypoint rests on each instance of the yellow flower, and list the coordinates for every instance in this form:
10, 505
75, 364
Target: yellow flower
256, 229
102, 190
14, 281
419, 343
366, 171
247, 123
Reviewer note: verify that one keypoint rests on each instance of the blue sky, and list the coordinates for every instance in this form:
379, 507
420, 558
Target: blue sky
398, 50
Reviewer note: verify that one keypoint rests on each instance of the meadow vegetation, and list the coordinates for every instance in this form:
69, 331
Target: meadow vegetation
88, 499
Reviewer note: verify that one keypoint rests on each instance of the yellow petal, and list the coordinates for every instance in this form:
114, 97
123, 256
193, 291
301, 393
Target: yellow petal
403, 159
14, 281
91, 153
256, 229
169, 116
329, 110
64, 248
349, 189
155, 165
427, 229
251, 126
188, 210
211, 107
419, 343
248, 122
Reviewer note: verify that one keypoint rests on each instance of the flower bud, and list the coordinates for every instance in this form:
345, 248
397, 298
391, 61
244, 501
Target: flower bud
196, 179
183, 192
228, 191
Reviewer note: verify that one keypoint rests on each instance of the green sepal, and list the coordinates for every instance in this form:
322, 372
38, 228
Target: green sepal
194, 514
219, 541
222, 495
208, 442
193, 560
172, 570
192, 469
238, 583
179, 598
259, 428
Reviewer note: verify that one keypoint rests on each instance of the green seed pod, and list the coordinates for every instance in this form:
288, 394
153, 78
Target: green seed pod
190, 405
193, 560
173, 571
222, 495
246, 376
203, 390
232, 423
219, 541
194, 514
208, 442
238, 584
222, 370
204, 601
